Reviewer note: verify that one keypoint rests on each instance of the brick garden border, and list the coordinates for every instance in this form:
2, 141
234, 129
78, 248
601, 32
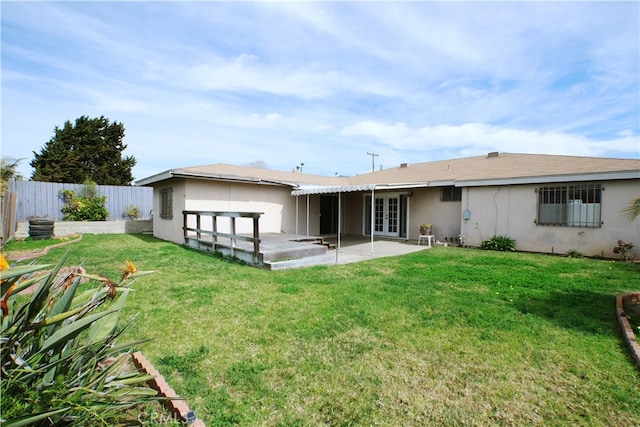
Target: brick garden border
627, 330
174, 404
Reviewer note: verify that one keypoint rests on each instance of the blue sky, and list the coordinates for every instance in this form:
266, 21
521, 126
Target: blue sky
323, 83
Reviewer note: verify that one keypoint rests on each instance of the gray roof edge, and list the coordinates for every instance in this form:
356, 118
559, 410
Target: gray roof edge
184, 174
162, 176
593, 176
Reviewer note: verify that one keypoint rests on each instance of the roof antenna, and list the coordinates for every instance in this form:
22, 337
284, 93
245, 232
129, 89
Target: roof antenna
373, 161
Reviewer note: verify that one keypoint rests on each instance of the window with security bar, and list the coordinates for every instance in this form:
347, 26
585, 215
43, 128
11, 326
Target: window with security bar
572, 205
166, 203
451, 194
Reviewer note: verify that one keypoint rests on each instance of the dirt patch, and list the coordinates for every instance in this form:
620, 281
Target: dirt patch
35, 253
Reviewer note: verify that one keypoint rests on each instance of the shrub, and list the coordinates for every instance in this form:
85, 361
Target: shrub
573, 253
499, 243
624, 249
131, 212
87, 206
61, 362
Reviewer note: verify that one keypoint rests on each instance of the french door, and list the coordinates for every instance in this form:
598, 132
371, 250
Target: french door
389, 215
386, 216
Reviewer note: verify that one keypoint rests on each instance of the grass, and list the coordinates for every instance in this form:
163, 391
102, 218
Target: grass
29, 244
446, 336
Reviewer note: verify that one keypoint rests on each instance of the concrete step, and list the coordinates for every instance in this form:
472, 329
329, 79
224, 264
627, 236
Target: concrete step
326, 259
302, 251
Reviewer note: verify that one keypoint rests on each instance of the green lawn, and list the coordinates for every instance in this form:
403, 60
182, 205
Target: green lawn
446, 336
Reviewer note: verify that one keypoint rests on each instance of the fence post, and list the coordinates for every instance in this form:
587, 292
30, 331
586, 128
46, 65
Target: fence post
8, 208
256, 237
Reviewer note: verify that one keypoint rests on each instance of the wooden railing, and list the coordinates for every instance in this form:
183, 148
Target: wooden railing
215, 243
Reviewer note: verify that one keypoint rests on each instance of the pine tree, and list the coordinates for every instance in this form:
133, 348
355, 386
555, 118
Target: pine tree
89, 150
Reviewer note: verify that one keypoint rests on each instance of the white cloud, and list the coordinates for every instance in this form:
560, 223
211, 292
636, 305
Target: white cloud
480, 137
119, 102
325, 82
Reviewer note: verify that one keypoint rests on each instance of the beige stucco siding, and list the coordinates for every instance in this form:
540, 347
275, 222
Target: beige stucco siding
169, 229
425, 207
616, 196
274, 202
353, 208
500, 210
512, 211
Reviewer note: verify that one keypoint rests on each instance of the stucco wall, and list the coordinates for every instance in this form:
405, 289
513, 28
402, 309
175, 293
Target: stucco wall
169, 229
425, 207
512, 211
352, 208
276, 204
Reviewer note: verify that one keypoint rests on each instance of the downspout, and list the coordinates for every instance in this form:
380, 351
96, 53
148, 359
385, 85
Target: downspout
297, 214
465, 217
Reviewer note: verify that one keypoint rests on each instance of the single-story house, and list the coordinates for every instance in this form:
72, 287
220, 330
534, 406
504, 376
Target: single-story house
547, 203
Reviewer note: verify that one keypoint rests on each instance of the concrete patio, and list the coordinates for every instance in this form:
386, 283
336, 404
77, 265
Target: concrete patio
351, 249
282, 251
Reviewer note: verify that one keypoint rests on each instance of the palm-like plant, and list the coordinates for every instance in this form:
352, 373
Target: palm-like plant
61, 362
632, 211
8, 171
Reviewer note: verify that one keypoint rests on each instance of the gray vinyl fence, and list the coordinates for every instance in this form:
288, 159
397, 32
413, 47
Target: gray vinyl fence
43, 199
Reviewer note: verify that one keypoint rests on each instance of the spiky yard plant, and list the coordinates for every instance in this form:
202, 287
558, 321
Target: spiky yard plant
61, 362
499, 243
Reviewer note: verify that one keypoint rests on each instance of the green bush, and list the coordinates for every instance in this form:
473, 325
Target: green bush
61, 362
87, 206
499, 243
574, 253
131, 212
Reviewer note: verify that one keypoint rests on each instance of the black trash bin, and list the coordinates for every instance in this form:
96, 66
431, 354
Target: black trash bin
40, 228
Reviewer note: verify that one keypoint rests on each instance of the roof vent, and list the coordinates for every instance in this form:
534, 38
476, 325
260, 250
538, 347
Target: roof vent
404, 165
493, 154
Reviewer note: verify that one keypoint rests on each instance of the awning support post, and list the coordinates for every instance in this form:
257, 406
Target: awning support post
307, 215
339, 223
373, 205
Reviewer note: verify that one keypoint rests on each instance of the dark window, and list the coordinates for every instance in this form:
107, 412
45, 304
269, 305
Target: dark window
573, 205
166, 203
451, 194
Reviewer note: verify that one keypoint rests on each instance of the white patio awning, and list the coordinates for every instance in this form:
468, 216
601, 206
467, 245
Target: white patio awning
304, 190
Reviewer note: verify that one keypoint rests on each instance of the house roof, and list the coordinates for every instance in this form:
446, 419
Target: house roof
507, 168
491, 169
226, 172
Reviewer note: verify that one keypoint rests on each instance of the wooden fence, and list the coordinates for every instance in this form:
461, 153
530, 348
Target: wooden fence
43, 199
8, 215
